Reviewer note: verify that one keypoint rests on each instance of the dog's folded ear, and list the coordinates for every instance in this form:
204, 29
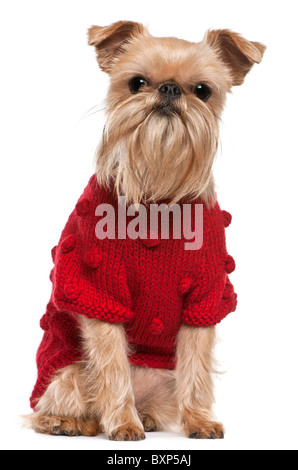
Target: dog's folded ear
109, 41
237, 53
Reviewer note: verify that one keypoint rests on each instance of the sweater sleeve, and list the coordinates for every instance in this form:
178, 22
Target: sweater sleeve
213, 297
86, 279
211, 307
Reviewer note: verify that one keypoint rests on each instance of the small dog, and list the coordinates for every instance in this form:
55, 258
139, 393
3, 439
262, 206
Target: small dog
130, 329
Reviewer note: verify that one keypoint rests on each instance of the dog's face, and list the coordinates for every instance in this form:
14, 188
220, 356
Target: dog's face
163, 108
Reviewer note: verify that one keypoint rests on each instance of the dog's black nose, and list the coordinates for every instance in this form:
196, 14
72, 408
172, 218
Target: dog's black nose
170, 90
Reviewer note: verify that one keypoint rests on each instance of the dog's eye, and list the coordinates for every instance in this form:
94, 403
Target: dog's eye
137, 83
202, 91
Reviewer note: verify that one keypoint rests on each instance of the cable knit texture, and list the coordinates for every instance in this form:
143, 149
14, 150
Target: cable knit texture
152, 286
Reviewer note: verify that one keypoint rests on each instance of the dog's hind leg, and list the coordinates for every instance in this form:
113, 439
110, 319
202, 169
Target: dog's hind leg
154, 391
62, 409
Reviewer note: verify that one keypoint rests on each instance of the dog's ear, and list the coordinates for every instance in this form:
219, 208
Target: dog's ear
109, 41
238, 54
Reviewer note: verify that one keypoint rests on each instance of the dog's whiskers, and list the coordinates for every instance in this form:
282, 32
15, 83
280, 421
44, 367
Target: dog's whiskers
89, 113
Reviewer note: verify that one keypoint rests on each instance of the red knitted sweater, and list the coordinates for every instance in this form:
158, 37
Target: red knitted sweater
151, 286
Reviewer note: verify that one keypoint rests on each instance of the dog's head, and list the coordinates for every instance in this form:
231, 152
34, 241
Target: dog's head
163, 108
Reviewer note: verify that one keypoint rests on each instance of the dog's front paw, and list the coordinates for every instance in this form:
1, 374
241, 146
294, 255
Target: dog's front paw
201, 425
206, 430
129, 432
150, 424
64, 426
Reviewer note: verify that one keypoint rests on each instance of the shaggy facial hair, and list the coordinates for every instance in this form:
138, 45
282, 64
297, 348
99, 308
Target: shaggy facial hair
153, 151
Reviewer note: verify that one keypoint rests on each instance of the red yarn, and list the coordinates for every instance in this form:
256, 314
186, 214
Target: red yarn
151, 286
93, 258
157, 326
83, 207
227, 218
230, 265
68, 244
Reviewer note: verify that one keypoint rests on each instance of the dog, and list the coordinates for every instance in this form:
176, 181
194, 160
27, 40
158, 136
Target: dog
129, 332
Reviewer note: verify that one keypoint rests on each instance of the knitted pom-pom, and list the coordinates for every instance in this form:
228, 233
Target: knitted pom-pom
93, 258
230, 265
157, 326
53, 252
227, 218
83, 207
229, 290
44, 324
151, 243
68, 244
71, 291
185, 285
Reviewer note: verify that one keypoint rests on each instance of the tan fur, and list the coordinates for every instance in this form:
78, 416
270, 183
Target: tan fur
62, 409
194, 382
154, 392
105, 394
236, 52
107, 378
150, 155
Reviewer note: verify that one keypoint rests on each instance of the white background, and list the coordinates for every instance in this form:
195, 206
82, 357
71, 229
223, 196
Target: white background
49, 80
